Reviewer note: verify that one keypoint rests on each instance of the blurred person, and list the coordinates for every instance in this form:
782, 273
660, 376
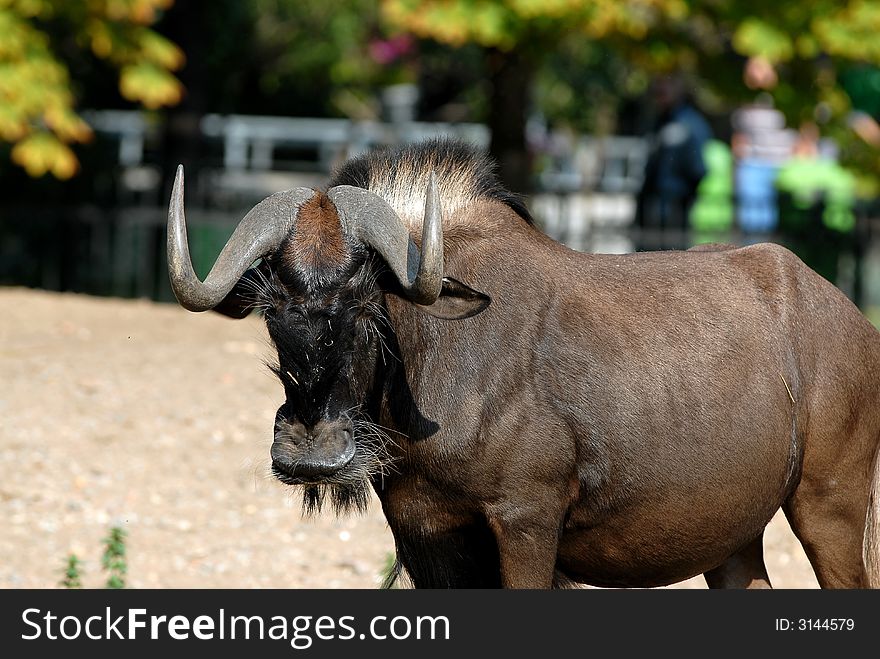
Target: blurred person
761, 143
712, 215
674, 168
817, 199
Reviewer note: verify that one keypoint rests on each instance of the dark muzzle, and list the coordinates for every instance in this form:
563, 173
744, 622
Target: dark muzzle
302, 454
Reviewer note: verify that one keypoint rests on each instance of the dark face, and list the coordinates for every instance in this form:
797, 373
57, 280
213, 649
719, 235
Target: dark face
328, 344
330, 327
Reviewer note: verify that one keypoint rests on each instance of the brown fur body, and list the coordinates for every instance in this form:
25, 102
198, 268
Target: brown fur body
613, 420
628, 420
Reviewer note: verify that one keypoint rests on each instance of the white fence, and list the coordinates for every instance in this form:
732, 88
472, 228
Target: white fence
586, 193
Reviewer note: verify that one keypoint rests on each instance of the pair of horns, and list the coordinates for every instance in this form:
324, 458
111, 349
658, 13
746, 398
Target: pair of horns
364, 216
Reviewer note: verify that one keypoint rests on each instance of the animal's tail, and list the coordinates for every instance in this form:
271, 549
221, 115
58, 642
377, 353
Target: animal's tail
871, 542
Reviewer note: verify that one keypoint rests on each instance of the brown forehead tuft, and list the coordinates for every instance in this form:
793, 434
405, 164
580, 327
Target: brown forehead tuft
317, 246
465, 178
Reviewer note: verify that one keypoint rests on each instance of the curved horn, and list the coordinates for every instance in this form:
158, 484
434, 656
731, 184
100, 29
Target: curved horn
258, 234
374, 222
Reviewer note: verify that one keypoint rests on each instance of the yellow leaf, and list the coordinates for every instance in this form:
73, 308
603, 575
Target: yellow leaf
757, 37
100, 40
41, 153
161, 51
12, 124
150, 85
65, 164
66, 124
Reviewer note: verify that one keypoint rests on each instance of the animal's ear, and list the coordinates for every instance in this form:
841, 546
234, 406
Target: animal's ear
456, 301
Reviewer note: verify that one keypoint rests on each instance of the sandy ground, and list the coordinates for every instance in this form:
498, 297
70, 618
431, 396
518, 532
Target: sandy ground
143, 415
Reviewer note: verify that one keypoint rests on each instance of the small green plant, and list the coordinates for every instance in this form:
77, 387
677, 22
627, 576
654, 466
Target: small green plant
114, 558
71, 572
113, 561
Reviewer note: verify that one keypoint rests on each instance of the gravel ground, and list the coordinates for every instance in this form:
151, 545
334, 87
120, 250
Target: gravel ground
142, 415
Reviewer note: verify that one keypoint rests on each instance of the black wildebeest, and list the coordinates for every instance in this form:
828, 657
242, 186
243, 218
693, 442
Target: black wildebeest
529, 415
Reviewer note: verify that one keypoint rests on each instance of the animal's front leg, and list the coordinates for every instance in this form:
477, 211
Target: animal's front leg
460, 558
439, 544
527, 544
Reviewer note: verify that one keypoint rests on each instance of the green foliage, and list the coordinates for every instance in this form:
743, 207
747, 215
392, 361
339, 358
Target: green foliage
72, 572
309, 45
807, 44
573, 46
506, 24
849, 29
578, 70
330, 57
114, 561
37, 101
756, 37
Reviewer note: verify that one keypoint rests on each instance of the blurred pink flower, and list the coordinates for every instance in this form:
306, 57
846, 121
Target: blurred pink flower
386, 51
